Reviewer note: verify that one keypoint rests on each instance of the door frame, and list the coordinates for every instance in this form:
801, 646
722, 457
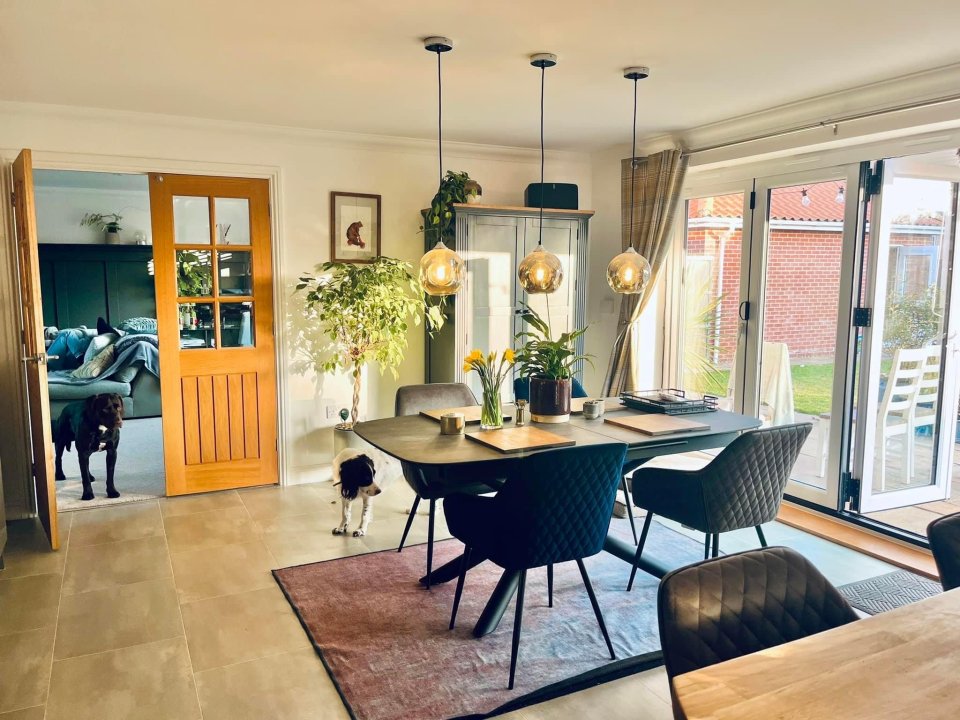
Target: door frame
56, 160
869, 401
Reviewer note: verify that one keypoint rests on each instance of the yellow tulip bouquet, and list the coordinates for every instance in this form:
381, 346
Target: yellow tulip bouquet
492, 373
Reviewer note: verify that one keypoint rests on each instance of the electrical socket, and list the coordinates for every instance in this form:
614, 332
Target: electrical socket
329, 409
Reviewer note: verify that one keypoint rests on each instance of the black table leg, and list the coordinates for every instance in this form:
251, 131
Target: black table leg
497, 604
450, 570
626, 552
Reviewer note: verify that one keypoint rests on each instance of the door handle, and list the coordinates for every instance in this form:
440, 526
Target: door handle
40, 358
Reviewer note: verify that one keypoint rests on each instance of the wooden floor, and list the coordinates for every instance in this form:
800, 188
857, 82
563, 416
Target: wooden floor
909, 557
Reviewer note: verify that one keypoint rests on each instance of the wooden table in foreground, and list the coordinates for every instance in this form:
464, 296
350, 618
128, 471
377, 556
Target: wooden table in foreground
901, 664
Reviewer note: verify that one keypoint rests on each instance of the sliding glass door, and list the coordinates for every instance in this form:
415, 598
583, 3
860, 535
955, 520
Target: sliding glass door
907, 450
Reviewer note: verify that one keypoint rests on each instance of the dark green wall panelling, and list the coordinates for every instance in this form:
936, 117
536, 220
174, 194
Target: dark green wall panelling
82, 282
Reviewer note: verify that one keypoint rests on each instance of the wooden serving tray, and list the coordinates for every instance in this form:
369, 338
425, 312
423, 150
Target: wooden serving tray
471, 413
657, 424
518, 439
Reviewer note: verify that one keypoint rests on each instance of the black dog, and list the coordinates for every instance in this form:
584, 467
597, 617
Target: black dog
92, 425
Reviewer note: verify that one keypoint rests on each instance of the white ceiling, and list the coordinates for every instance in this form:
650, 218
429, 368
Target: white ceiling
359, 66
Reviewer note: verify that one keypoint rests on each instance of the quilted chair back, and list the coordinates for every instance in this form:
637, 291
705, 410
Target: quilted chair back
944, 536
521, 389
412, 399
739, 604
556, 506
744, 485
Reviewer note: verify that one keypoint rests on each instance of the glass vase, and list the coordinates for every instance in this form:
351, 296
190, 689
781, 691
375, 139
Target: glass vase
491, 412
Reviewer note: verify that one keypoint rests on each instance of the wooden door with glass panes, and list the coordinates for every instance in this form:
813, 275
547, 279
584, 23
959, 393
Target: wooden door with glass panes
214, 287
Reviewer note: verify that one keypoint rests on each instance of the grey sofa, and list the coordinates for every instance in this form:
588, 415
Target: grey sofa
141, 396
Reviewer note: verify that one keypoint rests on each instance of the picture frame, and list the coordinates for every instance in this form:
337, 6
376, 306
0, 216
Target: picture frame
354, 227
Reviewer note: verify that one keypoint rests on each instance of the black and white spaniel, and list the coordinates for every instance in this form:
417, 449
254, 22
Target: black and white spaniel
354, 471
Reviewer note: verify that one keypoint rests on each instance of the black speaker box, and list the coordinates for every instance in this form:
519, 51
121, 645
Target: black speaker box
559, 196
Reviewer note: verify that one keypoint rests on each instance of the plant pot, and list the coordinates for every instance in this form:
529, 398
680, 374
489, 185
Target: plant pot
112, 238
550, 400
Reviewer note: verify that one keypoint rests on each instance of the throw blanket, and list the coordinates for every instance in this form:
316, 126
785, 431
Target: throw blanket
142, 352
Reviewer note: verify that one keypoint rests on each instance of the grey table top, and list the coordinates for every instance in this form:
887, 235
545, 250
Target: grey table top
417, 440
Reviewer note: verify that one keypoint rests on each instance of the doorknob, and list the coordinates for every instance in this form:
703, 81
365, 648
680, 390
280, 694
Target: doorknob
39, 358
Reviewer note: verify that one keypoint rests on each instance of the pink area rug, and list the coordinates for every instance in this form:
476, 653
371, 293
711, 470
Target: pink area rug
384, 638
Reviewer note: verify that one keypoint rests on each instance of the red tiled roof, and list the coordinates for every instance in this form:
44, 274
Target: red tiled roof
787, 205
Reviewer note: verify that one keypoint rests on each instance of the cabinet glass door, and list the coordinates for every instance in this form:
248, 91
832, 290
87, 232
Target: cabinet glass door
491, 259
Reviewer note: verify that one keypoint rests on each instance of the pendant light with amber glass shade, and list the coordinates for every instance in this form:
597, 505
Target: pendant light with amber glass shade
441, 269
540, 272
629, 272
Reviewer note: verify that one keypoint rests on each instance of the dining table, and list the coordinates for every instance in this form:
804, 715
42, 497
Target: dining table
415, 441
899, 664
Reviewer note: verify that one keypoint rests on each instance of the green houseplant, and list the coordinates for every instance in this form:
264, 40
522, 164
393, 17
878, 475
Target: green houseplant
364, 311
550, 366
107, 223
439, 220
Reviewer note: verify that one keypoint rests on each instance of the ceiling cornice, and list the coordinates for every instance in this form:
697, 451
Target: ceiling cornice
382, 143
926, 85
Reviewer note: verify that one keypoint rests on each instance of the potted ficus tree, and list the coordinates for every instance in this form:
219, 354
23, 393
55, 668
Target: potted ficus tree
108, 223
363, 312
550, 365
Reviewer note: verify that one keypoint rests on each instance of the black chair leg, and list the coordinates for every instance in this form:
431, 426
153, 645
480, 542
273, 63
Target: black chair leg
716, 545
406, 530
433, 512
706, 546
596, 607
549, 585
517, 621
626, 497
643, 539
763, 540
464, 565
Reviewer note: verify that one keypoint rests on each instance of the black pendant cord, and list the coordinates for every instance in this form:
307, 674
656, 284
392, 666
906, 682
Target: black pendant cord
440, 116
633, 164
543, 75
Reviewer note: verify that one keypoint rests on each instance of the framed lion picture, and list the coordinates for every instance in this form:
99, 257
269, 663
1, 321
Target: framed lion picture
354, 227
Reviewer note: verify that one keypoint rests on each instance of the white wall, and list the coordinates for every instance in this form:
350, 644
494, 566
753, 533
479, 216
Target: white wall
309, 164
60, 209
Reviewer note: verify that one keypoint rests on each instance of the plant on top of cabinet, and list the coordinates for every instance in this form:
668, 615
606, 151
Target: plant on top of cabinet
108, 223
364, 313
438, 223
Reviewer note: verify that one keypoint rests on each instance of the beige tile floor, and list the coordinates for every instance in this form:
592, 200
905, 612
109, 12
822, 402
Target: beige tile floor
167, 609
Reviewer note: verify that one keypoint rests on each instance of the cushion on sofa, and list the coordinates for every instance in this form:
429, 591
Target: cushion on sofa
139, 325
126, 374
98, 345
96, 365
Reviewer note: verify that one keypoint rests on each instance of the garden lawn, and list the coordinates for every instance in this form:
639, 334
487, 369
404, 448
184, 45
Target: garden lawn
812, 387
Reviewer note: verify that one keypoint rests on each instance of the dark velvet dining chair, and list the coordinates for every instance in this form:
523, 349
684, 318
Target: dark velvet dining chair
724, 608
742, 487
554, 508
521, 391
944, 536
411, 400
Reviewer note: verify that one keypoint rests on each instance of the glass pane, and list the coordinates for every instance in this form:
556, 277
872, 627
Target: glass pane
711, 297
801, 304
194, 273
918, 241
191, 220
196, 326
236, 324
236, 274
233, 221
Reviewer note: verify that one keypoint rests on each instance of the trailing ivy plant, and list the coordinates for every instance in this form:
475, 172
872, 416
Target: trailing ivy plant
543, 357
364, 311
438, 223
104, 222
